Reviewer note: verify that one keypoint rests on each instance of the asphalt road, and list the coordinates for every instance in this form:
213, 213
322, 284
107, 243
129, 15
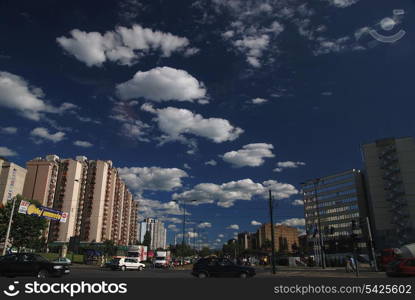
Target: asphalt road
83, 272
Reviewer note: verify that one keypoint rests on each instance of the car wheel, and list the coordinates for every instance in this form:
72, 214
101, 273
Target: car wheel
243, 275
42, 274
140, 268
123, 268
201, 275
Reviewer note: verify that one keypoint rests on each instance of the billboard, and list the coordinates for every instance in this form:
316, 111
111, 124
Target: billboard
31, 209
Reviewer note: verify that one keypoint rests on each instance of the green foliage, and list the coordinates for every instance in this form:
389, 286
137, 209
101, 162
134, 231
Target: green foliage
181, 250
147, 239
26, 230
205, 252
232, 248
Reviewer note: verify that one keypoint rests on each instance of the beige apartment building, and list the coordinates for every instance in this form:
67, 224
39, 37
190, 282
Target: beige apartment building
98, 202
285, 237
12, 179
390, 172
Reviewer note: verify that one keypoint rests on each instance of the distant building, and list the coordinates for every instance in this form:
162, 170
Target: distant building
285, 237
338, 201
248, 240
390, 171
157, 232
12, 179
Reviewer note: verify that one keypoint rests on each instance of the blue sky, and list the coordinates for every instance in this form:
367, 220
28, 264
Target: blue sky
211, 100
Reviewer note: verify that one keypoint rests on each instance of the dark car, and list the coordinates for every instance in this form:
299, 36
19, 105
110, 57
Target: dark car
401, 267
29, 264
220, 267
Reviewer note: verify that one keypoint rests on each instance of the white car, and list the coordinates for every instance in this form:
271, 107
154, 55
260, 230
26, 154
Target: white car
128, 263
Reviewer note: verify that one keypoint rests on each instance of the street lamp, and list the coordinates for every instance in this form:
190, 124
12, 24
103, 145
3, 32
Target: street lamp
6, 241
184, 225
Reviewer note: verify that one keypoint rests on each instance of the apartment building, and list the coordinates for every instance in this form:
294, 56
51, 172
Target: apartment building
285, 237
157, 232
335, 206
390, 171
12, 177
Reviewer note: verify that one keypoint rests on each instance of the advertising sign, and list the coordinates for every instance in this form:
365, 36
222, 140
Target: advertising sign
31, 209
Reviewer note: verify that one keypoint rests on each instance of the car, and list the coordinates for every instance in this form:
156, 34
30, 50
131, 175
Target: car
30, 264
401, 267
220, 267
62, 260
127, 263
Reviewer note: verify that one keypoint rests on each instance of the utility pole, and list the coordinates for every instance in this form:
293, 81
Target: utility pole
6, 241
272, 233
372, 249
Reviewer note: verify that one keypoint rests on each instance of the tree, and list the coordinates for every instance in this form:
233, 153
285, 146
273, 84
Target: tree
26, 231
147, 239
205, 252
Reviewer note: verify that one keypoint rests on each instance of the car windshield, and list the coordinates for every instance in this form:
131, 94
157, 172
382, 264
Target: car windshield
40, 258
160, 258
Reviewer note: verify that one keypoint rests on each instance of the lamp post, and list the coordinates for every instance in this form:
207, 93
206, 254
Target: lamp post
6, 241
184, 225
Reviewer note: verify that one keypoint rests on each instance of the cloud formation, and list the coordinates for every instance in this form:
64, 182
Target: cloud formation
255, 223
17, 94
5, 152
83, 144
233, 226
226, 194
251, 155
162, 84
293, 222
40, 134
8, 130
124, 46
288, 165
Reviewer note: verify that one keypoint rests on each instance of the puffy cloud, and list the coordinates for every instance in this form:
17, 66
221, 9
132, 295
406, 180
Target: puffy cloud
205, 225
342, 3
123, 46
218, 240
83, 144
294, 222
259, 101
41, 133
253, 47
152, 178
17, 94
8, 130
288, 165
297, 202
186, 166
251, 155
226, 194
175, 122
4, 151
211, 162
233, 226
162, 84
149, 208
221, 235
255, 223
173, 227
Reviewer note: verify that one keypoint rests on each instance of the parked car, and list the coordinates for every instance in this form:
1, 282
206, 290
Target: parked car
29, 264
220, 267
401, 267
127, 263
62, 260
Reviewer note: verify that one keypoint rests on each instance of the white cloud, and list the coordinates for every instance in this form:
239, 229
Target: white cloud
342, 3
288, 165
221, 235
173, 227
327, 93
255, 223
149, 208
175, 122
8, 130
17, 94
253, 47
233, 226
297, 202
83, 144
124, 45
205, 225
152, 178
4, 151
162, 84
186, 166
294, 222
211, 162
251, 155
259, 101
218, 240
226, 194
41, 133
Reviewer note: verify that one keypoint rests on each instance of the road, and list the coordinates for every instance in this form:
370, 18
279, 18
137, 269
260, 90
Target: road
84, 272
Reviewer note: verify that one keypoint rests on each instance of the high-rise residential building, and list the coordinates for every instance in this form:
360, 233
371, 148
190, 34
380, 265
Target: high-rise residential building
99, 205
157, 232
390, 172
41, 177
12, 179
335, 206
133, 236
285, 237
